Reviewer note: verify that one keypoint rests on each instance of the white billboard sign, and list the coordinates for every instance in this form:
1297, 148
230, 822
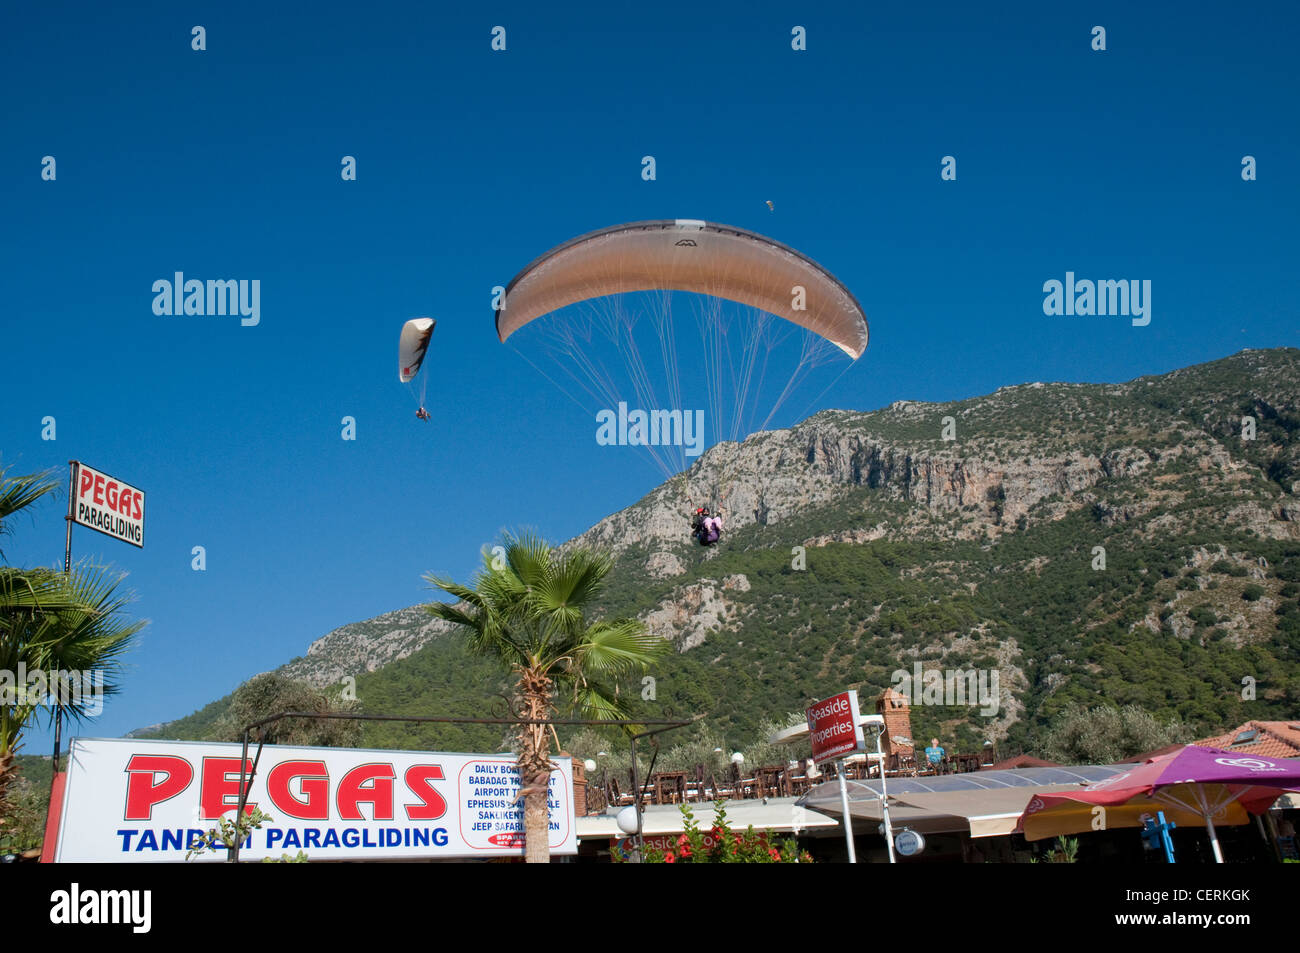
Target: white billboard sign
107, 505
146, 801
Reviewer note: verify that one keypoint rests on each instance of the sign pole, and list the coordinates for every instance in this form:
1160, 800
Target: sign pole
844, 806
67, 575
72, 492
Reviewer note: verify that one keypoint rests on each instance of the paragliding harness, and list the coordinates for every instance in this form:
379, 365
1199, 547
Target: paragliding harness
705, 529
422, 414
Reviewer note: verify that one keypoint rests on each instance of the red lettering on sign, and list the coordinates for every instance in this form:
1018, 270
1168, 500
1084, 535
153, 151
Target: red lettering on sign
137, 498
110, 495
87, 479
432, 805
368, 784
315, 805
99, 489
219, 790
143, 792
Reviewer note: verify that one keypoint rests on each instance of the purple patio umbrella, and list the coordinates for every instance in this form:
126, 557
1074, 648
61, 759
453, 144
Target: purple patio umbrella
1203, 782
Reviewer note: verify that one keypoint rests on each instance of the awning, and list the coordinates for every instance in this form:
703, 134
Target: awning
978, 803
986, 814
782, 815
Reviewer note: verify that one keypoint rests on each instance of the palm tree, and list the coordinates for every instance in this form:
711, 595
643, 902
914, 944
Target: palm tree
52, 623
530, 614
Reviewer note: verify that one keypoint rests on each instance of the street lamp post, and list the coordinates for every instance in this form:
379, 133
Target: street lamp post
844, 806
877, 724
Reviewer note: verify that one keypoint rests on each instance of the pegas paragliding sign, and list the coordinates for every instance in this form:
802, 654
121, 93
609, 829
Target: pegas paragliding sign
137, 801
107, 505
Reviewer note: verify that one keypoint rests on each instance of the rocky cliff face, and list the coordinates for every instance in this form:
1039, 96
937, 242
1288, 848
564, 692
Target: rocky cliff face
1021, 456
775, 477
365, 646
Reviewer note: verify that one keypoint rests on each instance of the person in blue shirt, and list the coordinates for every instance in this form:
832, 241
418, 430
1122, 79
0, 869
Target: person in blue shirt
934, 754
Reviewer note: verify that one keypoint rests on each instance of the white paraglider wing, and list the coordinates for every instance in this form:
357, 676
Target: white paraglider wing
412, 346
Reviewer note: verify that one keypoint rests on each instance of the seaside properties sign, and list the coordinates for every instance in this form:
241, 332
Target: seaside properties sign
834, 727
145, 801
107, 505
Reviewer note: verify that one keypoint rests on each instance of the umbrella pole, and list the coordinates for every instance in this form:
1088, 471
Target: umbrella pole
1214, 838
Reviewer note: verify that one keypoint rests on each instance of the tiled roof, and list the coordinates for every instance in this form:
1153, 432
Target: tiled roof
1020, 761
1272, 739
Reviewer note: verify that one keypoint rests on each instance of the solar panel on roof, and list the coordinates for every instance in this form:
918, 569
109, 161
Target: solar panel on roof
988, 780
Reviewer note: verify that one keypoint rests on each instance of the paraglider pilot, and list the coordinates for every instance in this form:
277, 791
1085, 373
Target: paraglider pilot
422, 414
706, 529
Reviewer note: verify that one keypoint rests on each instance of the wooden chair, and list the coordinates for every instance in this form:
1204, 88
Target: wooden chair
614, 796
741, 786
597, 796
647, 789
793, 780
670, 787
696, 784
767, 781
719, 788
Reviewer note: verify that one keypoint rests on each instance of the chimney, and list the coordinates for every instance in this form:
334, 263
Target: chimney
898, 721
579, 785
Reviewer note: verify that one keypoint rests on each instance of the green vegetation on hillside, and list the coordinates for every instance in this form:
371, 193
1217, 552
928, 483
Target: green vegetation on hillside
1195, 617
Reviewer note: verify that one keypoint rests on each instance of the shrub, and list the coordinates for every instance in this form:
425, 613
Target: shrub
724, 846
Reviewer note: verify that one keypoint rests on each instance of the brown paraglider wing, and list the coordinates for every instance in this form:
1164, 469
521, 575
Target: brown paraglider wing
688, 255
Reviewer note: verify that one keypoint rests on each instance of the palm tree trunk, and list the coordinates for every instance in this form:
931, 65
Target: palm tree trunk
537, 848
8, 774
535, 766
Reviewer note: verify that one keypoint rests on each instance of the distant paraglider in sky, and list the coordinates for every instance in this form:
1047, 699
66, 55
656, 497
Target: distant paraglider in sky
412, 347
770, 206
664, 317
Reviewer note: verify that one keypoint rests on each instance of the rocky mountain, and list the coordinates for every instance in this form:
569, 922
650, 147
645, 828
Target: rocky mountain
365, 646
1062, 535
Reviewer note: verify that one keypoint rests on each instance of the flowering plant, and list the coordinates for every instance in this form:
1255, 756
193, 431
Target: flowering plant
721, 845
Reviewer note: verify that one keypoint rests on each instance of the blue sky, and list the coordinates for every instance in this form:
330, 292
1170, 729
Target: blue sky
225, 163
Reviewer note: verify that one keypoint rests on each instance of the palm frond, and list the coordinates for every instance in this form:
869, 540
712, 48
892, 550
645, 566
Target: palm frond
17, 493
619, 647
599, 701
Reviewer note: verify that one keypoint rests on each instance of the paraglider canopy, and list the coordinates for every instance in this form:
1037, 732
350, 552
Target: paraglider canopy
694, 256
412, 346
677, 328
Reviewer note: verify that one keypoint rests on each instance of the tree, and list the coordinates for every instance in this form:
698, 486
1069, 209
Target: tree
64, 627
1103, 735
270, 694
529, 612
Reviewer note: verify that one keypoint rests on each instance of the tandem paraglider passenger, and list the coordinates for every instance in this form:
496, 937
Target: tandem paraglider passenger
422, 414
706, 529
